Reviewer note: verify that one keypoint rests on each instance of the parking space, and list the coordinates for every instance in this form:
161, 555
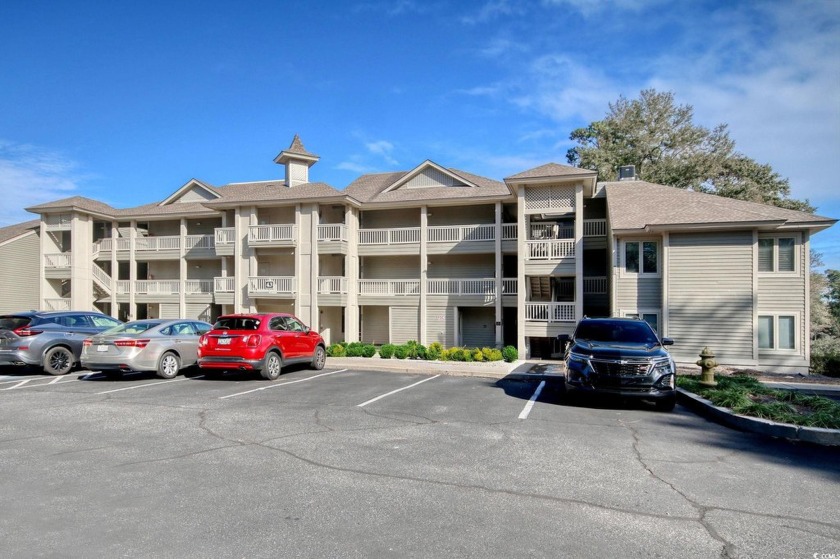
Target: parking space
357, 463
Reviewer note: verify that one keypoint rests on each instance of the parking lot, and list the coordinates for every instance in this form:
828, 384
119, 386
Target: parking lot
355, 463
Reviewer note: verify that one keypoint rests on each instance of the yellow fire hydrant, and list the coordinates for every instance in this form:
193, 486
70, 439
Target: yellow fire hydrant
707, 365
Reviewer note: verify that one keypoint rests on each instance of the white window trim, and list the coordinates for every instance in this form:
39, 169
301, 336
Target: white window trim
622, 255
797, 252
797, 325
624, 313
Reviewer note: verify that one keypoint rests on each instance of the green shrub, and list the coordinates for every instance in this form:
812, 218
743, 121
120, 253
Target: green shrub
510, 354
387, 351
433, 353
477, 355
336, 350
401, 351
455, 354
368, 350
825, 357
422, 352
358, 349
492, 354
411, 348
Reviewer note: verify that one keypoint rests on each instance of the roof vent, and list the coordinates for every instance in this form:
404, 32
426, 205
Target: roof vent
627, 173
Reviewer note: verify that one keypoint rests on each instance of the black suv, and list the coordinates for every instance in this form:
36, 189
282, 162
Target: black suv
622, 357
52, 340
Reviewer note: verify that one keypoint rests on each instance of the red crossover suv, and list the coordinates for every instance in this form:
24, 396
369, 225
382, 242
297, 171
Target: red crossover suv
262, 342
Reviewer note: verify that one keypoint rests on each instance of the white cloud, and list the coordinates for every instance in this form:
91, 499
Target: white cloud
382, 148
30, 175
354, 167
491, 10
590, 8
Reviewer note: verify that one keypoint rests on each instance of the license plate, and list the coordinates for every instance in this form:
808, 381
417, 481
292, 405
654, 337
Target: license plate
102, 348
224, 341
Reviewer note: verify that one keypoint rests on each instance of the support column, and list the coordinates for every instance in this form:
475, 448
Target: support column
315, 320
132, 269
182, 272
424, 271
499, 278
351, 270
521, 288
578, 252
115, 270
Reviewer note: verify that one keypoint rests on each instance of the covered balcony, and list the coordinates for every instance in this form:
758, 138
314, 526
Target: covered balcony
276, 235
272, 286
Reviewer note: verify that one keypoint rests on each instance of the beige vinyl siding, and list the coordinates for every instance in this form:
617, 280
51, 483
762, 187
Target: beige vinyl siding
462, 266
199, 311
440, 326
170, 310
195, 195
710, 295
405, 324
272, 216
478, 326
375, 323
391, 267
390, 219
461, 215
633, 293
19, 271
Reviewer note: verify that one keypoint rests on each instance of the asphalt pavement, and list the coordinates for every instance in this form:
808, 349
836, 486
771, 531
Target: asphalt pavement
357, 463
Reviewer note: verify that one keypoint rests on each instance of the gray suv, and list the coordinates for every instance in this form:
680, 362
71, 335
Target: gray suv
48, 340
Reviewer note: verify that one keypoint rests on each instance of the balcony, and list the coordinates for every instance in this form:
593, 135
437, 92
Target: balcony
441, 239
272, 286
332, 285
389, 288
554, 249
200, 245
57, 304
469, 286
550, 312
279, 235
225, 284
224, 240
594, 227
169, 243
595, 285
332, 232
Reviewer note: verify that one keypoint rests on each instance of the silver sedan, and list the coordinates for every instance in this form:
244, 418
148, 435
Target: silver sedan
163, 346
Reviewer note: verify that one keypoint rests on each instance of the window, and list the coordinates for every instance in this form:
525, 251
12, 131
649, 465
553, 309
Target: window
777, 332
641, 257
651, 318
777, 254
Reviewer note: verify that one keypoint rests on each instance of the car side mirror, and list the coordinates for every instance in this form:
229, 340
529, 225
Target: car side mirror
667, 341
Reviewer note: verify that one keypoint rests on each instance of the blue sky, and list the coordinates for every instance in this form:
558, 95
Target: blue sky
126, 101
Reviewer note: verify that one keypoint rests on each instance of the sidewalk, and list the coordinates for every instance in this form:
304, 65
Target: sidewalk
488, 369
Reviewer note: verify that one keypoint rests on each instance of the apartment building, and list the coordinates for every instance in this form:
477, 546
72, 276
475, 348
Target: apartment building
436, 254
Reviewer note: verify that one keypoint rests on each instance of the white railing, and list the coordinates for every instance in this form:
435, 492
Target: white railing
225, 235
57, 260
509, 286
271, 233
57, 304
594, 227
550, 250
157, 287
459, 233
389, 236
225, 284
332, 232
198, 286
509, 231
101, 276
58, 221
332, 285
550, 312
123, 287
461, 286
595, 285
199, 241
389, 287
154, 244
123, 243
107, 244
271, 285
544, 231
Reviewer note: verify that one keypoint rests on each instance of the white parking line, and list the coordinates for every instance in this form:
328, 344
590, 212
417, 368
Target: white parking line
281, 384
21, 383
146, 385
397, 390
530, 404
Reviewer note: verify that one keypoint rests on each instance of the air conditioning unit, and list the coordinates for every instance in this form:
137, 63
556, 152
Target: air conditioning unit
627, 173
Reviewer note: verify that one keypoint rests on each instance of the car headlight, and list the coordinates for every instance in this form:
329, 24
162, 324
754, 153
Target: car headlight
579, 358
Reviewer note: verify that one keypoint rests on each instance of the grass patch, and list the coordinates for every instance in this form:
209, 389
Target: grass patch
744, 395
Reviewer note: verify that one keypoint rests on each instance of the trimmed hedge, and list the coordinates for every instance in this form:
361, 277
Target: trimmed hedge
415, 350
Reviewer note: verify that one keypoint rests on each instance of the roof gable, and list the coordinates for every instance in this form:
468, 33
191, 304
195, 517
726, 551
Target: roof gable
193, 191
430, 175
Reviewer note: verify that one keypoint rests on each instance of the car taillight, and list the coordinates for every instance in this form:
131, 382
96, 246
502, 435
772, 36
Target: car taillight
253, 340
132, 343
202, 341
87, 343
25, 331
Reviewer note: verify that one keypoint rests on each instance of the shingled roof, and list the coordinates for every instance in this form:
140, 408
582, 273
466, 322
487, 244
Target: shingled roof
552, 170
12, 231
270, 191
640, 205
370, 189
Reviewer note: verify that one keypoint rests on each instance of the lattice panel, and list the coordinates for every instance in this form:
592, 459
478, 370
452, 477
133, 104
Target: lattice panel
550, 198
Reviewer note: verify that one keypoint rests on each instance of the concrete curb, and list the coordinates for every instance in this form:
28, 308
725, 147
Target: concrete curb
724, 416
494, 369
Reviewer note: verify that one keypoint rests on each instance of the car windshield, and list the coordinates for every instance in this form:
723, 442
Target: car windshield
236, 323
13, 322
629, 332
137, 327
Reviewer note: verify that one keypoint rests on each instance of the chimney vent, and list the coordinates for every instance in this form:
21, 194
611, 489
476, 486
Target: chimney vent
627, 173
